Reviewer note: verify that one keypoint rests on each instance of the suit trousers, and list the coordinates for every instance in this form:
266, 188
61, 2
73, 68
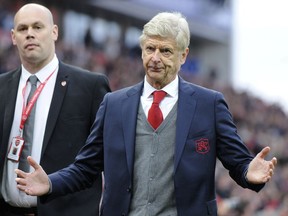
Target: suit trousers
8, 210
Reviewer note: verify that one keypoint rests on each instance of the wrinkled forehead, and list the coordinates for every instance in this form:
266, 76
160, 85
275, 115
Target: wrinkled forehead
159, 41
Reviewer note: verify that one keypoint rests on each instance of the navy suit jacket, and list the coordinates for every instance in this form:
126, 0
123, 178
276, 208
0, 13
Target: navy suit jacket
76, 99
205, 131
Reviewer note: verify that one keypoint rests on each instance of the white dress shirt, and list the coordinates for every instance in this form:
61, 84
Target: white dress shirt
9, 190
167, 103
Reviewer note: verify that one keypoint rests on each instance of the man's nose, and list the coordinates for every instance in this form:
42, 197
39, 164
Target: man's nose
30, 33
156, 55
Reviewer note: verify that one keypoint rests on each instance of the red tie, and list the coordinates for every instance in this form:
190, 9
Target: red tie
155, 116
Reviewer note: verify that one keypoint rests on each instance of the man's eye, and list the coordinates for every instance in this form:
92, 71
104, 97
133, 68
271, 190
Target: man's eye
22, 29
149, 49
167, 51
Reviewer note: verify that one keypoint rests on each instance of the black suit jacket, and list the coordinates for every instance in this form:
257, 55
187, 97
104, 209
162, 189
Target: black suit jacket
76, 98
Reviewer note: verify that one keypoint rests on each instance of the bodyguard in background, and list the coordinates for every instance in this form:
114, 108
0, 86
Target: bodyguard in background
65, 104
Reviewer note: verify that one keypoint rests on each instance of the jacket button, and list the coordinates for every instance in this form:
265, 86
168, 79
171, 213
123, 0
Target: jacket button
129, 190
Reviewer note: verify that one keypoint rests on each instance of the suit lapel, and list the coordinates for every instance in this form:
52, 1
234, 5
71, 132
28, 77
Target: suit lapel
129, 113
185, 113
62, 82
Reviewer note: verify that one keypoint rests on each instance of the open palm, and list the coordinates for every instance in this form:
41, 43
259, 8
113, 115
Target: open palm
35, 183
260, 170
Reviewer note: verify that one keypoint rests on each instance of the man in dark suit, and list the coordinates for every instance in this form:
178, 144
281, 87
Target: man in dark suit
159, 160
64, 112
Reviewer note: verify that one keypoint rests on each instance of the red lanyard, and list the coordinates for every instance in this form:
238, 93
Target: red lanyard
27, 109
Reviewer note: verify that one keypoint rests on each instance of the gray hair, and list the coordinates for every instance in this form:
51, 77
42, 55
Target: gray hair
168, 25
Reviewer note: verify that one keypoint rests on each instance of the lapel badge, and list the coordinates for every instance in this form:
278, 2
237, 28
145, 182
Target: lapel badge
202, 145
63, 83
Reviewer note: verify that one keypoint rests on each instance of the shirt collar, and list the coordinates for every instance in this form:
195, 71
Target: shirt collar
171, 89
44, 72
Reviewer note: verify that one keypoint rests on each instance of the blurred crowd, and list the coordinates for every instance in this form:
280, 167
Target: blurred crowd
259, 123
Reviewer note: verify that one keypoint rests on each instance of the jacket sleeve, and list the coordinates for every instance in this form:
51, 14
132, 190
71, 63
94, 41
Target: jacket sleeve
87, 166
231, 150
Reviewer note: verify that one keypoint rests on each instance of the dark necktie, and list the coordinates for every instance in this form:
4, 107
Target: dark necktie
155, 116
28, 129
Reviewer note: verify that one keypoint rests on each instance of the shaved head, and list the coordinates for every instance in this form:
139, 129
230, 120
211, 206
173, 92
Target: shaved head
32, 7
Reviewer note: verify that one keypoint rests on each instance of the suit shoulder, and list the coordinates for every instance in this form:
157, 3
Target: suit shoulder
81, 72
206, 90
75, 69
126, 91
201, 90
7, 75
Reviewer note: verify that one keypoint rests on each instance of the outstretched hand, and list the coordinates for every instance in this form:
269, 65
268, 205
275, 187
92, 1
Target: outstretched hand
35, 183
261, 171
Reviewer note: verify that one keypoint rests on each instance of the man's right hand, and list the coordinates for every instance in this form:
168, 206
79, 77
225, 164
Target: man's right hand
35, 183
